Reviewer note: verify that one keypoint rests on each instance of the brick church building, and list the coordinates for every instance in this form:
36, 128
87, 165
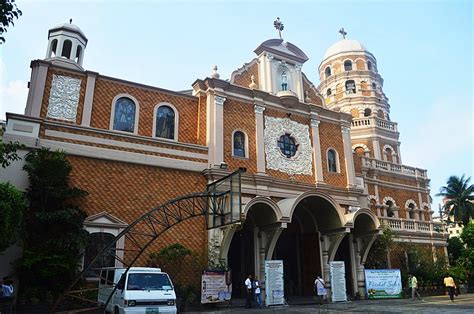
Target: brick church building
324, 166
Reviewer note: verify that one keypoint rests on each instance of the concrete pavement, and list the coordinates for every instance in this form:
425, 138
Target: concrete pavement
432, 304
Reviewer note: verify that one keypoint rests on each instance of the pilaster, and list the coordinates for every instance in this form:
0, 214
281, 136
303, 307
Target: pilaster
349, 160
88, 98
259, 138
39, 72
317, 159
376, 145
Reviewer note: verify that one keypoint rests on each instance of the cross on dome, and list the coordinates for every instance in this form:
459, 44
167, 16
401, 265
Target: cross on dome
343, 33
278, 25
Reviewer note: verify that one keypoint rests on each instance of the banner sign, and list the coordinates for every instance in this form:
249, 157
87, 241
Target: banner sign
338, 281
383, 283
274, 292
215, 286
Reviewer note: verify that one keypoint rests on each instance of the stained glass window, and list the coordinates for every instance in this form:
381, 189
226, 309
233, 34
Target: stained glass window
165, 122
287, 145
332, 160
239, 144
124, 117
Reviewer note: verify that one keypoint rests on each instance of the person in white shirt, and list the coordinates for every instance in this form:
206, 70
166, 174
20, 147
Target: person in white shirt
319, 289
248, 292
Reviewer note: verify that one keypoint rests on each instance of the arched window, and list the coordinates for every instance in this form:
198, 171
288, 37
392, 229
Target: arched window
350, 87
78, 53
367, 112
165, 122
374, 86
411, 211
284, 79
332, 161
287, 145
54, 47
96, 243
329, 92
124, 115
67, 47
239, 144
327, 72
369, 65
348, 65
390, 212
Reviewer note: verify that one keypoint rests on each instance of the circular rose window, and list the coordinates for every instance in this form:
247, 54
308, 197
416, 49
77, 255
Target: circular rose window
287, 145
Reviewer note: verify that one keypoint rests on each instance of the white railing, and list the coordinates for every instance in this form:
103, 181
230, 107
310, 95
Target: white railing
375, 122
398, 224
391, 167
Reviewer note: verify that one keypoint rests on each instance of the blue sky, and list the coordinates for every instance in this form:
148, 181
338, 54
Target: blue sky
423, 49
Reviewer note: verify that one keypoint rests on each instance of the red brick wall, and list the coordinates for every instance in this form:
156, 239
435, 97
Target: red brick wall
127, 191
239, 115
331, 137
244, 79
106, 90
400, 196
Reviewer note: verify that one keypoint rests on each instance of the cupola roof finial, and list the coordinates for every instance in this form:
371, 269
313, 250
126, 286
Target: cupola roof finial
70, 21
343, 33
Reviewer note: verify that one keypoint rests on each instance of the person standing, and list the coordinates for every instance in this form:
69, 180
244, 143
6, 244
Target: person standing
413, 284
6, 296
257, 292
450, 285
248, 293
320, 289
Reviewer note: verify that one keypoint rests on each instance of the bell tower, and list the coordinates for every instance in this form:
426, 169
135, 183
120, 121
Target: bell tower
351, 83
66, 42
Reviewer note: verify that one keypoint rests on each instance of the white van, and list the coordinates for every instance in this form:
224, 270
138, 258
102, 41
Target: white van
142, 290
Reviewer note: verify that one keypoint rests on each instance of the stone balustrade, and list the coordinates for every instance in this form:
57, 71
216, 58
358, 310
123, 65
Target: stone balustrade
397, 224
374, 122
394, 168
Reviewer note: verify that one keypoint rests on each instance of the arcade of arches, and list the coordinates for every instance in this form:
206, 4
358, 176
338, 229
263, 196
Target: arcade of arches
307, 233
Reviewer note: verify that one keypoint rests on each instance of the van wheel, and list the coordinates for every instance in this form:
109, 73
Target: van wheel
116, 310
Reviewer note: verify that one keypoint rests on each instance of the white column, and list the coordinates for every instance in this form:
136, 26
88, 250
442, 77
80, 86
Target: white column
59, 52
349, 160
88, 98
399, 154
259, 140
376, 146
81, 56
39, 71
72, 56
317, 159
219, 130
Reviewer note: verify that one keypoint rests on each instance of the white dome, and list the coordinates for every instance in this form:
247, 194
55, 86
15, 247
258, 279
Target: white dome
344, 45
69, 27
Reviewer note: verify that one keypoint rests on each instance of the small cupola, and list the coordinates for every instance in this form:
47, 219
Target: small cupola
66, 42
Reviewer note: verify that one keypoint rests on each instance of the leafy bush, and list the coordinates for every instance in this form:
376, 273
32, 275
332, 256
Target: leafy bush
12, 206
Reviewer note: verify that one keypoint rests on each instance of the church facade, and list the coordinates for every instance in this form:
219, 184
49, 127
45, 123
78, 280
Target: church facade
324, 171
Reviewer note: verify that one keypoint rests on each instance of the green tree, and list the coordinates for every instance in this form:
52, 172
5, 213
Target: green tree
377, 257
12, 206
459, 197
171, 259
455, 250
54, 234
8, 153
9, 11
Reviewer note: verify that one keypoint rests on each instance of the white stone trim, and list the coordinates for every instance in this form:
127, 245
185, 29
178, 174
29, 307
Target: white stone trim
388, 198
366, 149
88, 100
123, 156
246, 144
372, 197
338, 166
424, 204
176, 120
112, 113
410, 201
390, 147
123, 144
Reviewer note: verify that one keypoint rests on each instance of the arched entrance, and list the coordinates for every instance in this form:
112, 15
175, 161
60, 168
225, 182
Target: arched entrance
299, 245
250, 244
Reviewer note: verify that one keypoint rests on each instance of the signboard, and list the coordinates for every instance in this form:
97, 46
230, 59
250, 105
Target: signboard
215, 286
274, 292
338, 281
383, 283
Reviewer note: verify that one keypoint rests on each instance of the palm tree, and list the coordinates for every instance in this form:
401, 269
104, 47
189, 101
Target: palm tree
459, 197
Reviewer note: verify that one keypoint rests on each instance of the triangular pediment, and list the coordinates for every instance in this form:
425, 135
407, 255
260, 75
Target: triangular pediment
104, 218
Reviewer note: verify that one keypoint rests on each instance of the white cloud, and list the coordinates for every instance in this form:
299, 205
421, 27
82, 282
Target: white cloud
13, 93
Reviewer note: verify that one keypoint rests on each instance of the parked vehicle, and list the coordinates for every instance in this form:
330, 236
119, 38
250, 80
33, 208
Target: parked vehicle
142, 290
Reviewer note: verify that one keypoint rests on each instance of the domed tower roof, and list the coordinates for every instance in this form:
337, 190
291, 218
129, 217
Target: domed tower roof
68, 27
343, 46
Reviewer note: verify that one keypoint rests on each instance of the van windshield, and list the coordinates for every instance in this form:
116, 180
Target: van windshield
147, 281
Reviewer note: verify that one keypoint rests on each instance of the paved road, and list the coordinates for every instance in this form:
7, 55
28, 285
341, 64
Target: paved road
433, 304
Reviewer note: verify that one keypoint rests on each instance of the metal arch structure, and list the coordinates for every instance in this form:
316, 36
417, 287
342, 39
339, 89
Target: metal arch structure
218, 203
